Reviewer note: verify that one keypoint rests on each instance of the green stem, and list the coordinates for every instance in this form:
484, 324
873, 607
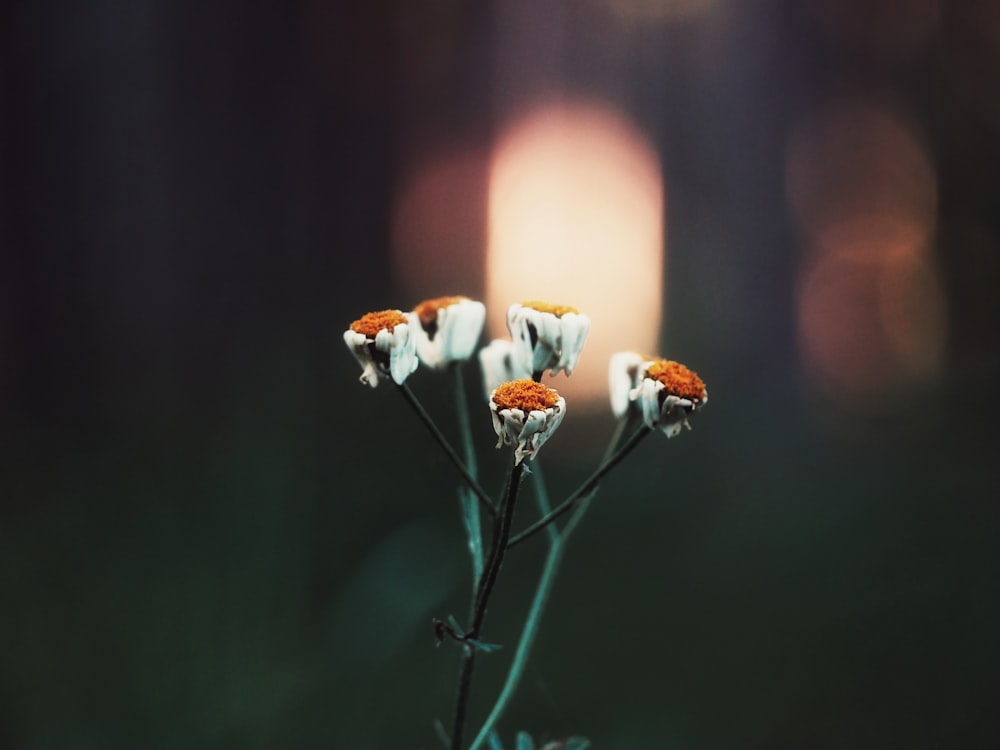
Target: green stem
501, 534
446, 446
542, 496
462, 407
557, 548
499, 550
616, 437
470, 508
590, 484
531, 625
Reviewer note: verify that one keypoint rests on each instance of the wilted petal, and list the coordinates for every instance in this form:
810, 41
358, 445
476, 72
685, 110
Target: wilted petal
668, 394
382, 344
449, 329
499, 364
525, 414
547, 337
625, 372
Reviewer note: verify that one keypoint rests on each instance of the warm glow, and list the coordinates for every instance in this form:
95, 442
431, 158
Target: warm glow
576, 216
438, 229
870, 331
858, 167
871, 309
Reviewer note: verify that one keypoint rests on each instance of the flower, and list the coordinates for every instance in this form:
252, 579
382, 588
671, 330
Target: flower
668, 394
449, 329
625, 373
384, 345
525, 414
499, 364
547, 337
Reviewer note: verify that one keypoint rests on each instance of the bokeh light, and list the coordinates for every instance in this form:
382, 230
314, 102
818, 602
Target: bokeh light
858, 165
438, 229
871, 310
871, 330
576, 217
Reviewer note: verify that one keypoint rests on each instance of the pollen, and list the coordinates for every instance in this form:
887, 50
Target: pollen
371, 323
427, 310
678, 379
557, 310
526, 395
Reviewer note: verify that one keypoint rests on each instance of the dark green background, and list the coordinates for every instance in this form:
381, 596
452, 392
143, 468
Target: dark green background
212, 536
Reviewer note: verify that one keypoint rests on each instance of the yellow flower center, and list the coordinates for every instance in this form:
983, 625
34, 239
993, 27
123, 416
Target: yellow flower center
371, 323
427, 310
557, 310
526, 395
678, 379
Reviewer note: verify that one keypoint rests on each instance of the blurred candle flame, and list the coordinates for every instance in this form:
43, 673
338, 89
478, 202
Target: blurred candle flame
575, 216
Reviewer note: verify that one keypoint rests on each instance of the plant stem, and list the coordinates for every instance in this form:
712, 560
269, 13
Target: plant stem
591, 483
542, 496
557, 548
462, 407
470, 509
442, 441
499, 550
501, 534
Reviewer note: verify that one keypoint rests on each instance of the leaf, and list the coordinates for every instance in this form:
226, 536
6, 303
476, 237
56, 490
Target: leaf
476, 644
524, 741
486, 648
439, 730
473, 529
494, 740
459, 633
572, 743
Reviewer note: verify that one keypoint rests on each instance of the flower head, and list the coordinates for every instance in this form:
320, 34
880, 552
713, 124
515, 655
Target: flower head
546, 336
499, 364
625, 373
384, 345
668, 394
525, 414
449, 329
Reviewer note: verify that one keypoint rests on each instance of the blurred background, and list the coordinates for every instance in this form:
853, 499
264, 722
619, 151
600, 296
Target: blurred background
212, 536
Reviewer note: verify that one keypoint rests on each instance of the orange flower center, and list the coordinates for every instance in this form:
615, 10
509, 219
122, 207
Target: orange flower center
678, 379
557, 310
526, 395
371, 323
427, 310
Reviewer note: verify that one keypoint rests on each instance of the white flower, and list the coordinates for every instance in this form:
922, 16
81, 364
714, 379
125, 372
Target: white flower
499, 365
547, 337
668, 394
625, 373
449, 329
384, 345
525, 414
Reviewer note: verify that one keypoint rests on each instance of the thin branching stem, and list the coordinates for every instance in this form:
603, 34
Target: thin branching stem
498, 550
591, 483
470, 480
470, 509
557, 547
